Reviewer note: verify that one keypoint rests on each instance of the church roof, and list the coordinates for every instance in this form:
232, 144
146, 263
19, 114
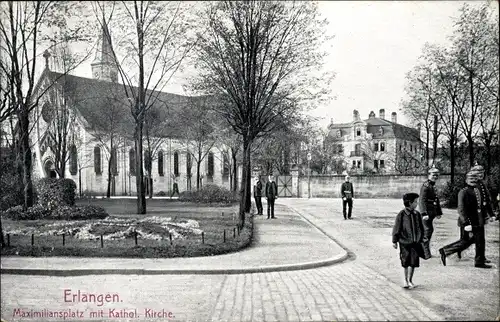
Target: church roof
93, 98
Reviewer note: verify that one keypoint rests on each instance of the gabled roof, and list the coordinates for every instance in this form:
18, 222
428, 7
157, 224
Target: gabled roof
373, 125
94, 98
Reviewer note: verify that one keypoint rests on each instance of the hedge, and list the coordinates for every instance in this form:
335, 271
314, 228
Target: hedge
210, 194
60, 213
53, 192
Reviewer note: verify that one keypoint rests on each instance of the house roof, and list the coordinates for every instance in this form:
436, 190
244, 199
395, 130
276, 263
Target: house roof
95, 99
373, 125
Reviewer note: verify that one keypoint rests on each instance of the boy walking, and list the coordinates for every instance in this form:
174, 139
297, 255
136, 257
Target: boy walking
408, 231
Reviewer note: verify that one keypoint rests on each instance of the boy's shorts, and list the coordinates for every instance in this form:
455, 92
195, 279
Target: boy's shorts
409, 255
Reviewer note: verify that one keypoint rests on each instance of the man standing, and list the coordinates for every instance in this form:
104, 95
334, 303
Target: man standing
271, 195
429, 208
347, 193
257, 194
471, 219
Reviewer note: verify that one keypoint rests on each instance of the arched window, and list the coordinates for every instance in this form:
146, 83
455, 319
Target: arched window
160, 163
148, 162
131, 162
73, 161
176, 164
114, 162
97, 160
226, 166
358, 131
210, 164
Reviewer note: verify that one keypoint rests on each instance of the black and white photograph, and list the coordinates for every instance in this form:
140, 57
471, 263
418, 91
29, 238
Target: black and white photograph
249, 160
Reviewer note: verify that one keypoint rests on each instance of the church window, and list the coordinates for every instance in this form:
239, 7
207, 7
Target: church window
47, 113
382, 146
210, 164
160, 163
73, 163
148, 162
97, 160
176, 164
114, 162
225, 171
131, 162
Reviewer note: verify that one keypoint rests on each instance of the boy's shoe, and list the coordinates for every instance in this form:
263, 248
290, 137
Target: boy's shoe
411, 285
406, 285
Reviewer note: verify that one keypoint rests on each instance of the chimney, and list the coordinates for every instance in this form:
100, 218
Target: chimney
394, 117
372, 115
382, 114
355, 115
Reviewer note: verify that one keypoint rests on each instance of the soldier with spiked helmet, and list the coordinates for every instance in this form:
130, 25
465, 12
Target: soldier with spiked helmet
430, 208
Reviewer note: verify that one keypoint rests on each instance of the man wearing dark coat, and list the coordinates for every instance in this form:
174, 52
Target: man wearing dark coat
347, 193
430, 208
257, 194
472, 217
271, 195
490, 207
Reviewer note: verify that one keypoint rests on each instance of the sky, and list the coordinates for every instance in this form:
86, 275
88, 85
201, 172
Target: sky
375, 44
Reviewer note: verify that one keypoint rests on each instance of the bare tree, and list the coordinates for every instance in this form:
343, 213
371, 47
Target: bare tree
154, 122
153, 43
258, 57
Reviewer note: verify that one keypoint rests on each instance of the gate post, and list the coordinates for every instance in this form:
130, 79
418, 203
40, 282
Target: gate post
295, 182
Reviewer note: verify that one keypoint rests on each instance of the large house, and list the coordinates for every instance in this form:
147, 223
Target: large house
375, 145
88, 102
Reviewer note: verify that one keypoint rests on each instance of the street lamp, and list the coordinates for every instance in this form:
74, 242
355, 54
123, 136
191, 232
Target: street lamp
309, 174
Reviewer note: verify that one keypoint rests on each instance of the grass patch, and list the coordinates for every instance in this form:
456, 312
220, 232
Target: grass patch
165, 220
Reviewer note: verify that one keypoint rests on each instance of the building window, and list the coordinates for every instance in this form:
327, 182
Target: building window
131, 162
189, 164
400, 148
375, 164
357, 149
97, 160
340, 148
226, 166
382, 146
382, 164
411, 148
160, 163
114, 162
176, 164
210, 164
358, 131
73, 160
354, 163
148, 162
375, 147
359, 164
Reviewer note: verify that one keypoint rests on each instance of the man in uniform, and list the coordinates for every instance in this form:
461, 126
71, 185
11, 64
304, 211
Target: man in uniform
257, 194
347, 193
429, 208
489, 206
472, 217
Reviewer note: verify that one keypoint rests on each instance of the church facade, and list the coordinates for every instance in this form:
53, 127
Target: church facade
376, 145
93, 144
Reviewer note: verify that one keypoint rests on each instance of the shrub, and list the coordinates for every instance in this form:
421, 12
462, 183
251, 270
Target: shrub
13, 212
209, 194
53, 192
78, 213
161, 194
32, 213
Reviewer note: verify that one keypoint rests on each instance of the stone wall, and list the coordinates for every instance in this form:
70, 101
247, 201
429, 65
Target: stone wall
372, 186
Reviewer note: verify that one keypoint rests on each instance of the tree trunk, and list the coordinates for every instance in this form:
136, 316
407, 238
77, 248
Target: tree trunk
235, 171
108, 190
435, 139
452, 160
471, 150
198, 178
141, 195
27, 162
245, 201
487, 144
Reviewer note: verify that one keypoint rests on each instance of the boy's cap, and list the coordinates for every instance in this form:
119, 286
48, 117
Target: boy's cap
477, 168
410, 196
433, 170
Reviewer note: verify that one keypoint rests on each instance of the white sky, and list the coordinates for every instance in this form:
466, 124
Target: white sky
376, 43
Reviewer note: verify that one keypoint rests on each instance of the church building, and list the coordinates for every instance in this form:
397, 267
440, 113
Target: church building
86, 106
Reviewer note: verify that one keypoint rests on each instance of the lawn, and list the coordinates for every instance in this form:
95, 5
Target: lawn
169, 229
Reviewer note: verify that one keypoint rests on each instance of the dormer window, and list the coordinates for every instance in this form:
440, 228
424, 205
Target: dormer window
358, 131
339, 133
381, 131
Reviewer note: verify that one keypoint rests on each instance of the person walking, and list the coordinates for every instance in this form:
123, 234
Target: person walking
271, 196
471, 219
430, 208
175, 189
490, 207
408, 231
257, 194
347, 193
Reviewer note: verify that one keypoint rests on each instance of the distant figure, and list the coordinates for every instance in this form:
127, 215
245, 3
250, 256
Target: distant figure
175, 189
430, 208
408, 231
271, 195
257, 194
472, 217
347, 193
